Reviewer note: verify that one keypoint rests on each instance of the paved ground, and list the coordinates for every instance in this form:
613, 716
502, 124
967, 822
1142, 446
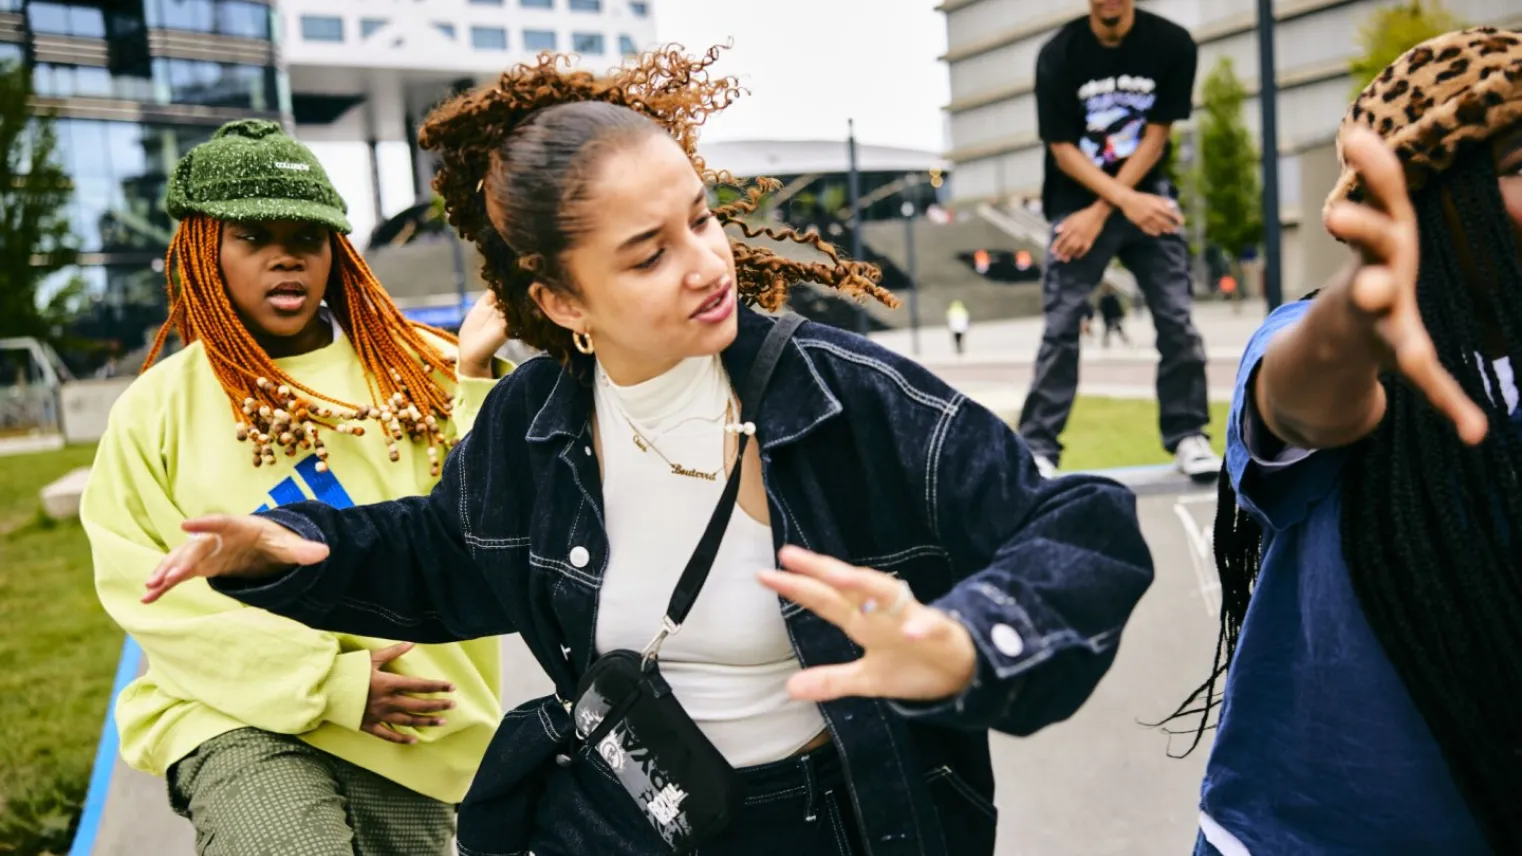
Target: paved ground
1000, 356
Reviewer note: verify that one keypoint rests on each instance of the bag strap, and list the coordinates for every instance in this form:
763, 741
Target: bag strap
696, 572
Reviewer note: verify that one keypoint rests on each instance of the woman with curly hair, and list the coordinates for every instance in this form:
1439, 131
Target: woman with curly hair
1367, 531
299, 378
946, 589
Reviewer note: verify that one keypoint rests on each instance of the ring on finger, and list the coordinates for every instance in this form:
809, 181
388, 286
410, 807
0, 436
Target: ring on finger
203, 535
899, 604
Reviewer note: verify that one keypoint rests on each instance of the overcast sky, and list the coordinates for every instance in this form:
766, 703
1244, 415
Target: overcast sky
811, 64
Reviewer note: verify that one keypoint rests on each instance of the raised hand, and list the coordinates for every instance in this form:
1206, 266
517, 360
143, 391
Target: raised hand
226, 546
393, 699
482, 334
913, 652
1383, 289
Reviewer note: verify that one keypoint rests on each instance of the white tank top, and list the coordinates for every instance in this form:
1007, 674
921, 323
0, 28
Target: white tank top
730, 662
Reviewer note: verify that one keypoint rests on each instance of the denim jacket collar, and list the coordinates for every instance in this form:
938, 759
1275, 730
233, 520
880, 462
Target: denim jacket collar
808, 403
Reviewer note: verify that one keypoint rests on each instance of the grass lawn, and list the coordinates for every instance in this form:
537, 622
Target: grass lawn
1116, 432
57, 659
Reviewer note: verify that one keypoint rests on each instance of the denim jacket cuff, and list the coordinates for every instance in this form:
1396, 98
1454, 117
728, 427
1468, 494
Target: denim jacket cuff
988, 697
279, 592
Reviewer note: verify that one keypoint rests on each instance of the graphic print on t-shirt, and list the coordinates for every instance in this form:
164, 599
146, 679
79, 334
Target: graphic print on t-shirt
1115, 113
325, 487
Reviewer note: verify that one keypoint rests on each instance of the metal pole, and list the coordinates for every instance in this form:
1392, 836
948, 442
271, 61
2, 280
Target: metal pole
853, 183
914, 286
458, 250
1268, 102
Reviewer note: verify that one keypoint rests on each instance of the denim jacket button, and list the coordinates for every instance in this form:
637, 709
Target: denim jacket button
1007, 640
580, 556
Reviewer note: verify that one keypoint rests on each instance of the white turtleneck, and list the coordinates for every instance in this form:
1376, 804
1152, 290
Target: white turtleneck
730, 662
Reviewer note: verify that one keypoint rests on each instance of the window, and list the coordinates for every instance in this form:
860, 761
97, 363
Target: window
52, 80
586, 5
81, 22
213, 84
197, 16
367, 26
539, 40
488, 38
243, 19
322, 28
10, 5
10, 52
640, 10
446, 29
587, 43
119, 171
627, 47
537, 4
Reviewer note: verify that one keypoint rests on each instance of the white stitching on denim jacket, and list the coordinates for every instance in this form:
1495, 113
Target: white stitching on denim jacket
496, 543
559, 376
908, 389
835, 406
779, 795
395, 618
566, 569
888, 561
885, 712
464, 509
933, 464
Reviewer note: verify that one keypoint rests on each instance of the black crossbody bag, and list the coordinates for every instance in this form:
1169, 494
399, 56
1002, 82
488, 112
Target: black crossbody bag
625, 710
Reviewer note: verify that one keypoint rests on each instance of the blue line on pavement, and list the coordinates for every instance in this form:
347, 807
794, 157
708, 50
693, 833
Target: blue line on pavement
105, 755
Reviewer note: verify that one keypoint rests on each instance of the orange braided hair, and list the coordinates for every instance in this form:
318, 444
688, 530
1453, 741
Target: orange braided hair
271, 407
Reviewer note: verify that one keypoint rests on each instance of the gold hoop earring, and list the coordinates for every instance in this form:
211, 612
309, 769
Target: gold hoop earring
583, 342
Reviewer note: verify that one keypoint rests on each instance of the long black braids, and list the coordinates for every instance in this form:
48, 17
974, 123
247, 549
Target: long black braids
1427, 521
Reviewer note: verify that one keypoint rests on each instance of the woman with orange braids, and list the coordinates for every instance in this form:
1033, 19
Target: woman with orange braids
593, 510
299, 379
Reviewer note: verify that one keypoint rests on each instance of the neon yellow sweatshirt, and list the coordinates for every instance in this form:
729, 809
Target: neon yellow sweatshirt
169, 453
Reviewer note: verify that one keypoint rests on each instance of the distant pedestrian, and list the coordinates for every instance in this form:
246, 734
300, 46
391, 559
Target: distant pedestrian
958, 321
1114, 314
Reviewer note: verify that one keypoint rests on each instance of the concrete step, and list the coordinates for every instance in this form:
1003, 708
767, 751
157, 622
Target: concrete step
60, 500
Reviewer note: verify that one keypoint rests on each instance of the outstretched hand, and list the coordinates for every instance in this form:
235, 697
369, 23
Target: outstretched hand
226, 546
1383, 290
913, 652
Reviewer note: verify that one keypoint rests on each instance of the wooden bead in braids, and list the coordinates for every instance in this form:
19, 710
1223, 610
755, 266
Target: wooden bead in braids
274, 411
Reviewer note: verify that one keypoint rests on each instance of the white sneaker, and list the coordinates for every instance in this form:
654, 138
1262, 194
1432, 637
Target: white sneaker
1045, 467
1196, 459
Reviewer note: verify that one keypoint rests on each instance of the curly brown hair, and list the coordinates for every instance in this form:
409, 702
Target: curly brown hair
516, 156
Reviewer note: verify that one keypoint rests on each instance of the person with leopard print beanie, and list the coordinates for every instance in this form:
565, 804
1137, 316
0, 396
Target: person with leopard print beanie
1369, 530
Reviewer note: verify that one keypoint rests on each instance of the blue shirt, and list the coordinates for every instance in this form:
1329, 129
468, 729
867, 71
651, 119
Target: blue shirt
1320, 748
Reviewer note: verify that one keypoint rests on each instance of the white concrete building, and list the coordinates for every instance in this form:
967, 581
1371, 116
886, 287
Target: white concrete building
996, 151
363, 75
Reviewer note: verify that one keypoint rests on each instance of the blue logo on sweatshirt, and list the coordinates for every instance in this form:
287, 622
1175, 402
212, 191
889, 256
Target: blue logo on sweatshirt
324, 487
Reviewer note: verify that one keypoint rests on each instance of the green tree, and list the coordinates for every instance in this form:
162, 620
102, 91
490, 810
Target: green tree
1228, 175
35, 238
1393, 30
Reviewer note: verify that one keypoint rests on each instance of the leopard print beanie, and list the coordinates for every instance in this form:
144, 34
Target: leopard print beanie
1454, 90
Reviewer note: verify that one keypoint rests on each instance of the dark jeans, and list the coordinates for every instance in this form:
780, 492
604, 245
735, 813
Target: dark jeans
796, 807
1161, 267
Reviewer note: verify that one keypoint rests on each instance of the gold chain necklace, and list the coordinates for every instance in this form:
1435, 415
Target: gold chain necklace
645, 445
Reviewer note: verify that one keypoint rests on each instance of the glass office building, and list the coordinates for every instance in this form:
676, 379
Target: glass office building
132, 85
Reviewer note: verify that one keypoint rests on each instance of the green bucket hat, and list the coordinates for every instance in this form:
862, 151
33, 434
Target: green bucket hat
251, 170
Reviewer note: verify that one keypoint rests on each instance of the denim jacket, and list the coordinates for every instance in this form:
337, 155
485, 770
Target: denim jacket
865, 456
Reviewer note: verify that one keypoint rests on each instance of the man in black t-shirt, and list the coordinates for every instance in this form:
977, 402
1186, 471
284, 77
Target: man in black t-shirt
1108, 88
